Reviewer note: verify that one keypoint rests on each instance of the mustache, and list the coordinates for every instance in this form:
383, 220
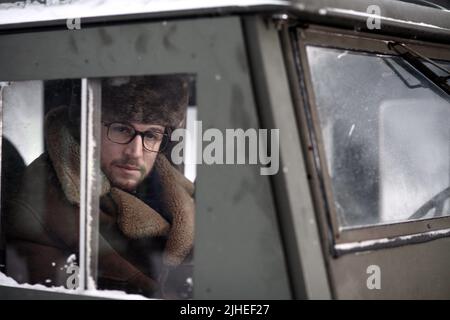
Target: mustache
128, 162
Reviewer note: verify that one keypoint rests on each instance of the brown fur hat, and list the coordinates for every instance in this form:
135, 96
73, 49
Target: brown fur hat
157, 99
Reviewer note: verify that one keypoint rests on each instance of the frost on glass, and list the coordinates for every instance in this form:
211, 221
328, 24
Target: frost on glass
146, 217
386, 136
145, 223
37, 238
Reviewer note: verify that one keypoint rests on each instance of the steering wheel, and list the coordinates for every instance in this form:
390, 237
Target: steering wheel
436, 202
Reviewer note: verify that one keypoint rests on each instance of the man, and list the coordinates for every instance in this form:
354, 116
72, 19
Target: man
146, 207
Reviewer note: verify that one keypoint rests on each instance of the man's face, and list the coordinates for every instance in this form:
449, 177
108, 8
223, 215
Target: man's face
126, 165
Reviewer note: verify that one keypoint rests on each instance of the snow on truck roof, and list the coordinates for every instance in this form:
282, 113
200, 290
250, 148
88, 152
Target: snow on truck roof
35, 10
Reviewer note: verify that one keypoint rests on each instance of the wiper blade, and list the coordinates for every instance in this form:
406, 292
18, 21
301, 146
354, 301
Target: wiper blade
416, 60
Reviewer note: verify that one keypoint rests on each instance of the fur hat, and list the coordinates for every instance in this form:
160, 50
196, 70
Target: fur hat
157, 99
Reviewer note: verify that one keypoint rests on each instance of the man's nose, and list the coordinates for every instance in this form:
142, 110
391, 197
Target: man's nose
134, 148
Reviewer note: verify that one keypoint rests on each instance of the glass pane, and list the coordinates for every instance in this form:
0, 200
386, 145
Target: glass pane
146, 207
40, 181
386, 137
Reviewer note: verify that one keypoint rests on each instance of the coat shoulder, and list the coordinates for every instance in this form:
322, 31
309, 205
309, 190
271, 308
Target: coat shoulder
39, 212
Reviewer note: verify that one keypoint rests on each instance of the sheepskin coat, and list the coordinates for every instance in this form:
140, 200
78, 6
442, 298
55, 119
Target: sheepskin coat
145, 240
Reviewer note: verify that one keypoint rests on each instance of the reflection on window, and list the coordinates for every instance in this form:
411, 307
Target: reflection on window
146, 213
147, 210
386, 137
40, 181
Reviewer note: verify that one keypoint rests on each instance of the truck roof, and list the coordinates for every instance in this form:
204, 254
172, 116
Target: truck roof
419, 17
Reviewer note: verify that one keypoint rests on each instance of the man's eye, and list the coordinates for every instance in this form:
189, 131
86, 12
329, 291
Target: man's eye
122, 129
152, 135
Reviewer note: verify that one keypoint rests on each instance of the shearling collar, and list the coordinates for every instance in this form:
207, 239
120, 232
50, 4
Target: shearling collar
135, 218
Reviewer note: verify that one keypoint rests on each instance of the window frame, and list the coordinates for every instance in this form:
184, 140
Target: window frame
370, 236
2, 237
90, 181
214, 49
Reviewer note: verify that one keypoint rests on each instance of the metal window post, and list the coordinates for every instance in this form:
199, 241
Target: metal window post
90, 182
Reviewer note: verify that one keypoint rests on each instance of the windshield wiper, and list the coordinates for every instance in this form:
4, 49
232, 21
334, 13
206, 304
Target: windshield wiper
417, 61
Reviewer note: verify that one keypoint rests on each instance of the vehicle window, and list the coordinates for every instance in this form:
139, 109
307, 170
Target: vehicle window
40, 181
385, 135
139, 240
146, 212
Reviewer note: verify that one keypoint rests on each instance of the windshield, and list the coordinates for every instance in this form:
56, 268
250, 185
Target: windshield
386, 137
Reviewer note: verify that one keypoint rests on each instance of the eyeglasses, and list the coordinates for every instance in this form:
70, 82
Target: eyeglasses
122, 133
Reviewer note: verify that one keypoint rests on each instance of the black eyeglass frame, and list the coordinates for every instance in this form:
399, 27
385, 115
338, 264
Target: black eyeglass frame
162, 147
